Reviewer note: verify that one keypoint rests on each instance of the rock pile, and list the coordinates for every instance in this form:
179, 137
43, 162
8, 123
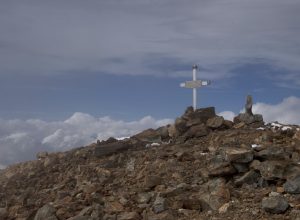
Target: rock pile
248, 117
201, 167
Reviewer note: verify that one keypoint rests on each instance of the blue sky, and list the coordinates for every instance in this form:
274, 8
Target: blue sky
119, 64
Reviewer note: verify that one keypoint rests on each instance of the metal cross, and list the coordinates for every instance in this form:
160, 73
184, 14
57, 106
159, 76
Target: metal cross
194, 85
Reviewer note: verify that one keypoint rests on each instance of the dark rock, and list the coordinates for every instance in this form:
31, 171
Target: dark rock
248, 105
180, 125
192, 204
273, 153
215, 122
47, 212
241, 167
228, 124
108, 149
3, 213
248, 178
202, 114
219, 167
271, 170
292, 185
196, 131
275, 204
152, 181
248, 119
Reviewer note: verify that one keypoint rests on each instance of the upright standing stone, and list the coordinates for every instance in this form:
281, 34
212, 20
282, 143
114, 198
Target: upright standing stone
248, 105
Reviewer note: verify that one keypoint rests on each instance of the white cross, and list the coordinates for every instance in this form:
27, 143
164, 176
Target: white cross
194, 85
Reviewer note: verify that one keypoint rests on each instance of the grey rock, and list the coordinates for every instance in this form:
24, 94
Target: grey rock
248, 178
237, 154
248, 105
159, 205
219, 167
292, 185
248, 119
215, 122
273, 153
275, 204
47, 212
241, 167
272, 169
214, 194
149, 135
144, 197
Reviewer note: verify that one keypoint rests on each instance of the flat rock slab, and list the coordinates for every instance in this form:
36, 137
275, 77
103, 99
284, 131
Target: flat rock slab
237, 154
111, 148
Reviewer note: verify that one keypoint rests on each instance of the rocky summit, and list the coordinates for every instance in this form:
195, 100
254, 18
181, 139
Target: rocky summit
200, 167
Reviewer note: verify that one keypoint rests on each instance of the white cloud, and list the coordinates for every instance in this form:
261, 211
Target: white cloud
22, 139
228, 115
286, 112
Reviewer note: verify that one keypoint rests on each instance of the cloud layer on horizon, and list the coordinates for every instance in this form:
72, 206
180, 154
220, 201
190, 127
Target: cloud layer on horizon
286, 112
157, 37
21, 139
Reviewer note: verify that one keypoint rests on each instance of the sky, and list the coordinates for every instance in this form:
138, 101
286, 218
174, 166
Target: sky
73, 71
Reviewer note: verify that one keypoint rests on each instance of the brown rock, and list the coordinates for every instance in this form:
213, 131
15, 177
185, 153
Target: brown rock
152, 181
215, 122
196, 131
128, 216
237, 154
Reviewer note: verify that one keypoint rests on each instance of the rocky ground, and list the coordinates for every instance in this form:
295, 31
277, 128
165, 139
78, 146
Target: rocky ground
201, 167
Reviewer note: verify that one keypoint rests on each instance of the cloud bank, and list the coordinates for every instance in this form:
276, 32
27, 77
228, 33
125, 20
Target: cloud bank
286, 112
158, 37
21, 139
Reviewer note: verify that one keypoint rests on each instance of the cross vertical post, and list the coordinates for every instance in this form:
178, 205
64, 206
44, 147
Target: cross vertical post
195, 67
194, 84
